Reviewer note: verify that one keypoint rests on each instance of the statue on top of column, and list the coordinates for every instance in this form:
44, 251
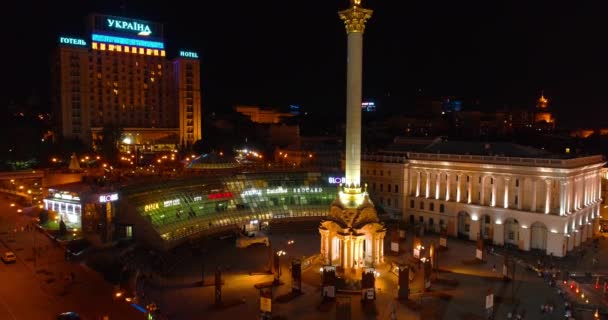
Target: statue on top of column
355, 2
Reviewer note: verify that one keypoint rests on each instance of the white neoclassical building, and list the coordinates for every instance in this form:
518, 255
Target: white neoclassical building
546, 203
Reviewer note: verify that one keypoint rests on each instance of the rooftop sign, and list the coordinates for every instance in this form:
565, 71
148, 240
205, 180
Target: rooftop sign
188, 54
142, 29
72, 41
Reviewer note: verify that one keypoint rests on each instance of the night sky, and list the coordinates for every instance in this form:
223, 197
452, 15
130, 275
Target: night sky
276, 53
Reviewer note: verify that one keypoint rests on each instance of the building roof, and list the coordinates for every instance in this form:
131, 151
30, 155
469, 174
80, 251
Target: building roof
479, 148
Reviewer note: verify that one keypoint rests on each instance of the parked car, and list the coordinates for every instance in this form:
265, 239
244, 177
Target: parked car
68, 316
9, 257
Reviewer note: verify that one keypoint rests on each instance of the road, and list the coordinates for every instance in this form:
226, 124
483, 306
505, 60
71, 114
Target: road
39, 288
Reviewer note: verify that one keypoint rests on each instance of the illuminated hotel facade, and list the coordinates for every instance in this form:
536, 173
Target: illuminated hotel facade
547, 204
121, 76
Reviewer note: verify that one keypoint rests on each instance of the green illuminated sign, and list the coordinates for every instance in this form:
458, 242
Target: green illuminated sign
72, 41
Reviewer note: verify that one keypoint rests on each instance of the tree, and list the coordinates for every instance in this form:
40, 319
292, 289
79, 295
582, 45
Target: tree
111, 135
62, 228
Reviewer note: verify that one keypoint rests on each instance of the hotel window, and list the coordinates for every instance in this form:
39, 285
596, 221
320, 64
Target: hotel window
388, 186
396, 203
467, 178
479, 179
388, 201
491, 180
412, 204
421, 205
396, 188
517, 182
515, 199
381, 187
432, 206
421, 219
441, 207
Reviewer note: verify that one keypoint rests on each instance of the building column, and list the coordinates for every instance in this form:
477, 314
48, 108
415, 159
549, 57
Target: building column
585, 192
458, 183
474, 228
447, 187
506, 197
381, 244
575, 194
330, 248
493, 198
483, 191
418, 177
437, 184
598, 195
524, 238
499, 234
533, 205
427, 192
562, 198
548, 196
469, 188
520, 193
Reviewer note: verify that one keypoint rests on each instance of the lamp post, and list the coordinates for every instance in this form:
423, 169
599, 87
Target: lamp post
277, 265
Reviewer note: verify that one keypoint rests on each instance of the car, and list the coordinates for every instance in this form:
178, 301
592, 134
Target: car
68, 316
245, 241
9, 257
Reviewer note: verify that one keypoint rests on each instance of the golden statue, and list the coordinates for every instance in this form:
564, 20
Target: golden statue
355, 2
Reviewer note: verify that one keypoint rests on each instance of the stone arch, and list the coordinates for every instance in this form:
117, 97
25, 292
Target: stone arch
538, 236
464, 224
511, 227
486, 226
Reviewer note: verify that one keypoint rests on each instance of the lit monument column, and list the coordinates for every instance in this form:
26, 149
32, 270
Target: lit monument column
469, 188
354, 20
533, 205
427, 192
520, 193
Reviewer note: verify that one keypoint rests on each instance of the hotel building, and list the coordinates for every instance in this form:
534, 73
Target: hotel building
121, 75
504, 193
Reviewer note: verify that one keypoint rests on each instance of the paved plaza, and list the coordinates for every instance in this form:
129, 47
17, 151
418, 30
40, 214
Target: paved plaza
458, 290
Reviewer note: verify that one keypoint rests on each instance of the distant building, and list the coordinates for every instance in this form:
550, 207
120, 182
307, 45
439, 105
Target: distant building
263, 115
120, 75
543, 118
506, 193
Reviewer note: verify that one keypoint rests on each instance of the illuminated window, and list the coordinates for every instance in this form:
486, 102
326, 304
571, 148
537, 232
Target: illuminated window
162, 53
111, 47
133, 50
95, 45
155, 52
141, 50
119, 48
102, 46
127, 49
159, 66
148, 52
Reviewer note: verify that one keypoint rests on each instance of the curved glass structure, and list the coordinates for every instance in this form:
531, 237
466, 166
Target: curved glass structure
178, 209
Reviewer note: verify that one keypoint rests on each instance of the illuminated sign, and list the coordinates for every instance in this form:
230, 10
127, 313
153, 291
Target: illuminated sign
252, 192
368, 106
66, 196
142, 29
336, 180
169, 203
188, 54
127, 42
108, 197
219, 195
72, 41
197, 198
152, 206
307, 190
278, 190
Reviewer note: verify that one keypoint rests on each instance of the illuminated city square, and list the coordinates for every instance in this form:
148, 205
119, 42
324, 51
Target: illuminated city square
335, 160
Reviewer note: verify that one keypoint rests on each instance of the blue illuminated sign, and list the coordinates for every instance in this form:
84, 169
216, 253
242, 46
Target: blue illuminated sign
72, 41
141, 28
127, 41
188, 54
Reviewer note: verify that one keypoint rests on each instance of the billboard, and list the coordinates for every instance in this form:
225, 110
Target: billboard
126, 26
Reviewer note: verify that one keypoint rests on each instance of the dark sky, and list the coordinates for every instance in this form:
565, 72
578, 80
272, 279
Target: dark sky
277, 53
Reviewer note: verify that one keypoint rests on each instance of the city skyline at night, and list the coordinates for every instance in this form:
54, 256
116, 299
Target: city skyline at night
275, 54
